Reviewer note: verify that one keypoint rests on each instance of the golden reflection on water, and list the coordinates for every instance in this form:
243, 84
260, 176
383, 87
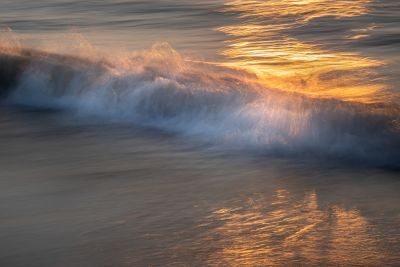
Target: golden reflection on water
300, 11
259, 43
265, 233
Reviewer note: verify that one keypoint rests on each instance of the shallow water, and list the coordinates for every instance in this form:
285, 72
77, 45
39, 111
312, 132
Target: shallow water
254, 133
101, 195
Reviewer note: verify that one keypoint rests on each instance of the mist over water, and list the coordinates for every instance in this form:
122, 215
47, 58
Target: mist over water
210, 133
159, 88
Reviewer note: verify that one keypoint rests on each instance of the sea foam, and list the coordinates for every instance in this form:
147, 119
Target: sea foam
162, 89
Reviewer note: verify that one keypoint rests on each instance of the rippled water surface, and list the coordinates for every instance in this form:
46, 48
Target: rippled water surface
109, 196
196, 133
342, 49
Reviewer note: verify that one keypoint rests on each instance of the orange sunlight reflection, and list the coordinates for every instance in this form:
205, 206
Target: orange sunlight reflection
261, 233
298, 11
259, 44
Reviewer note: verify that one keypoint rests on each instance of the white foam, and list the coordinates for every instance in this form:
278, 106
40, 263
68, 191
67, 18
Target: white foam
160, 88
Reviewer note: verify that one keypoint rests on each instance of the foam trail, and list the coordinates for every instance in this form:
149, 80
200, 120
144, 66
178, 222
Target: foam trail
160, 88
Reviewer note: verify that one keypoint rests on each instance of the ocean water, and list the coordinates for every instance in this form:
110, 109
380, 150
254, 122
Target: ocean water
196, 133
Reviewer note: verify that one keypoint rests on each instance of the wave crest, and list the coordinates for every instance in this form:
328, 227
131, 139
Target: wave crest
159, 87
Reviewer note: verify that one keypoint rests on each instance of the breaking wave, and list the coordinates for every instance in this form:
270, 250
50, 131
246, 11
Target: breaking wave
160, 88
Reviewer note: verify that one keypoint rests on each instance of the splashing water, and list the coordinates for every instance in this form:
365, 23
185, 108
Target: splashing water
160, 88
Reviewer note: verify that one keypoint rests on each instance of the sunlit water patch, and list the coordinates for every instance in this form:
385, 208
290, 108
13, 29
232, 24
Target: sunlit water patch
306, 233
262, 43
